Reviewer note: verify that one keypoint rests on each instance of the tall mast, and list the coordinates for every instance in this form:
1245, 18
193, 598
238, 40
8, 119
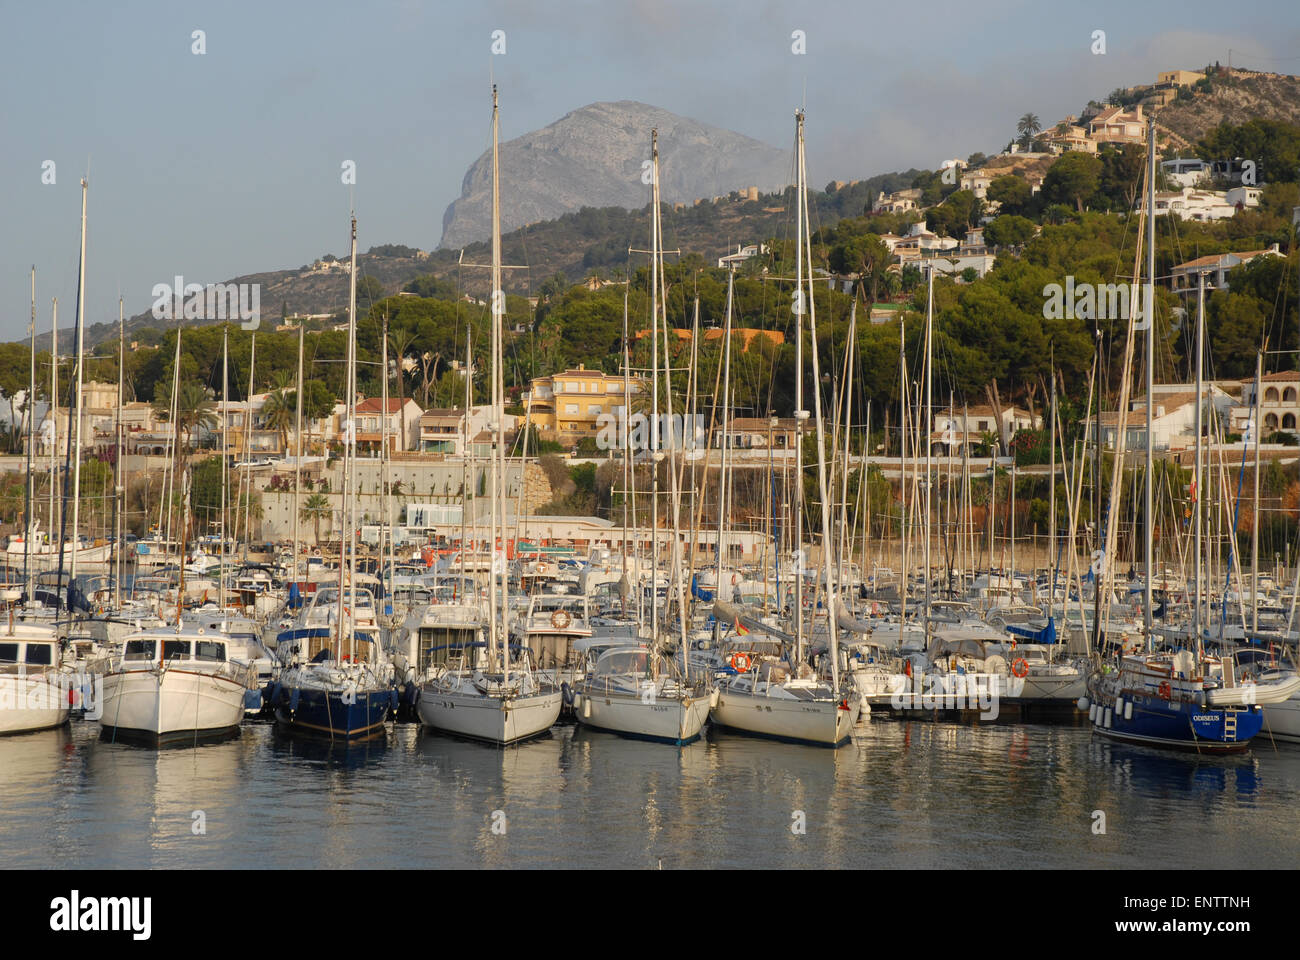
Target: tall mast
654, 384
31, 436
1197, 491
1254, 527
929, 419
119, 475
800, 413
54, 417
225, 466
1051, 498
726, 419
349, 445
248, 452
902, 475
385, 551
498, 403
1150, 309
297, 460
828, 559
81, 329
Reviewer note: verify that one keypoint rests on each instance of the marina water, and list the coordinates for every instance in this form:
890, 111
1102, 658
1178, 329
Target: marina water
903, 794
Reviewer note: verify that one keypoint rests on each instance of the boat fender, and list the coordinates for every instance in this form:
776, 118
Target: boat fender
293, 699
566, 693
1083, 703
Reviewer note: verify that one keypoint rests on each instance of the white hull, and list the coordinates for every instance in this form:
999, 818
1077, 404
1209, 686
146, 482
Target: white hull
822, 722
173, 704
677, 721
488, 718
31, 703
1282, 720
99, 554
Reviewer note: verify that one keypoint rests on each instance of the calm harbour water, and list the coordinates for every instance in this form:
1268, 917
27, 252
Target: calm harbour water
902, 794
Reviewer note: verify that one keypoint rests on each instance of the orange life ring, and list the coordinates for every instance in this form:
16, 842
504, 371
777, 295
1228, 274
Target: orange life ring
741, 662
560, 619
1020, 668
1165, 691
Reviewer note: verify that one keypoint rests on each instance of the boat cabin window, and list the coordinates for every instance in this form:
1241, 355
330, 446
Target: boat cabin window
8, 653
210, 650
40, 654
176, 649
140, 650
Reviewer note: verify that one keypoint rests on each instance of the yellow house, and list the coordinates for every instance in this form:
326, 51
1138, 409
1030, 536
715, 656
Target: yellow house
565, 407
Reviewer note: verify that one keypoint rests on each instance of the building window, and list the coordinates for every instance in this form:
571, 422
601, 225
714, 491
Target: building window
571, 409
1288, 421
1288, 395
1270, 422
1270, 395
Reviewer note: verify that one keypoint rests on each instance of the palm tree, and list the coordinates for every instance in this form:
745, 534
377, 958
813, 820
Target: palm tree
278, 412
400, 342
1028, 126
194, 410
314, 508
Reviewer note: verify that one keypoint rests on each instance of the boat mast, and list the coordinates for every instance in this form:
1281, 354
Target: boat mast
248, 454
225, 466
385, 551
54, 416
497, 300
1254, 527
119, 475
800, 414
1150, 310
929, 420
828, 559
654, 384
297, 460
81, 330
1197, 480
31, 436
349, 445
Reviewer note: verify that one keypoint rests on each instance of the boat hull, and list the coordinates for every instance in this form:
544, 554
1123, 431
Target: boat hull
1178, 725
676, 721
489, 719
823, 723
332, 714
30, 703
175, 705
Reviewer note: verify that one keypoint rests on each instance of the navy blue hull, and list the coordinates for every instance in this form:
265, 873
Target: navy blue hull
328, 714
1178, 725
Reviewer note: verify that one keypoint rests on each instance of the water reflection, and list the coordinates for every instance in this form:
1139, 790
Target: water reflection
901, 794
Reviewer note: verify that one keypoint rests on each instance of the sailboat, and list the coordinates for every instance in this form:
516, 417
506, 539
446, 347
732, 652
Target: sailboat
782, 697
632, 690
1181, 698
336, 682
485, 690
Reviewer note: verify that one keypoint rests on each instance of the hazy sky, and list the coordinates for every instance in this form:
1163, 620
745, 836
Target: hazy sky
225, 163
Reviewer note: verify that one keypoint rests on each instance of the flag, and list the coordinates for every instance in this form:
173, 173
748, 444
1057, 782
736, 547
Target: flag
740, 629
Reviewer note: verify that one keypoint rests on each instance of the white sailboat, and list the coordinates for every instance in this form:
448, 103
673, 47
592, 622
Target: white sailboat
783, 698
480, 693
630, 690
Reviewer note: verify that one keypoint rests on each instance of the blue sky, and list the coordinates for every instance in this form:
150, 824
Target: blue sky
228, 163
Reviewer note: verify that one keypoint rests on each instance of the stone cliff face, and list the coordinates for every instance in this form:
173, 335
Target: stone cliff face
593, 157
